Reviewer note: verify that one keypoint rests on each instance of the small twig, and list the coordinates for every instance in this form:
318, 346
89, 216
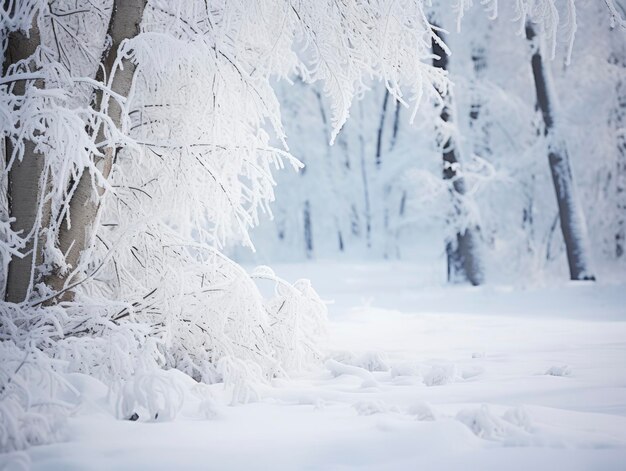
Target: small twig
125, 312
6, 385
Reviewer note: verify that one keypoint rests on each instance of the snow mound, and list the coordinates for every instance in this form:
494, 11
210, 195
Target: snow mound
423, 411
339, 369
206, 406
441, 374
372, 407
559, 371
404, 369
156, 395
17, 461
472, 372
370, 360
263, 271
513, 428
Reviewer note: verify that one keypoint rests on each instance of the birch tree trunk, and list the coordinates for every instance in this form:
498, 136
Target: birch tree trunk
78, 231
464, 251
572, 218
26, 183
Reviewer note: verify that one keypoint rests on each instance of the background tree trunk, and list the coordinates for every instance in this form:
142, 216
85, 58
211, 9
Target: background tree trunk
76, 236
572, 218
308, 231
464, 251
479, 120
617, 122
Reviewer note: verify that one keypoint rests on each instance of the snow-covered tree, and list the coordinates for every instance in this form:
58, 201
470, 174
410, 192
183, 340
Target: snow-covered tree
137, 171
573, 224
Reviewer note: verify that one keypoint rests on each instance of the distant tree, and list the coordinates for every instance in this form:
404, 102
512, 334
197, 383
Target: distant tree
464, 251
571, 215
479, 121
617, 122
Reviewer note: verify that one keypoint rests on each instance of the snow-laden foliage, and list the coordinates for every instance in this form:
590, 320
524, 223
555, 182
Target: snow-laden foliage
383, 40
31, 410
618, 13
555, 18
199, 138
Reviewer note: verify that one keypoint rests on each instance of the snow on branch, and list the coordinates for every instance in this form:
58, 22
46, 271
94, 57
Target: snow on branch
546, 13
617, 13
347, 42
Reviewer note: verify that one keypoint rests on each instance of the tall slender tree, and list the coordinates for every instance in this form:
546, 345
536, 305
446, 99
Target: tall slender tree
617, 121
571, 215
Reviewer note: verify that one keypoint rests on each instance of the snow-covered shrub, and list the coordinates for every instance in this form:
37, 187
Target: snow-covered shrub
31, 412
439, 375
297, 320
514, 428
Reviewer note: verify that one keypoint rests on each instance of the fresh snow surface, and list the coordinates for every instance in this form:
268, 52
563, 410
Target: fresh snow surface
416, 376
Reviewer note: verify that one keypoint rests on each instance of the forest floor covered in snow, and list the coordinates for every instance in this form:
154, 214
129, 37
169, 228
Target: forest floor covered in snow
417, 376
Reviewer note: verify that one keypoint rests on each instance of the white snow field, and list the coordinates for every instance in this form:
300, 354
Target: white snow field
416, 377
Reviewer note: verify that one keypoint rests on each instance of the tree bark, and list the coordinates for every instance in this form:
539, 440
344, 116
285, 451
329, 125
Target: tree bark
573, 225
617, 122
25, 182
77, 231
464, 251
4, 216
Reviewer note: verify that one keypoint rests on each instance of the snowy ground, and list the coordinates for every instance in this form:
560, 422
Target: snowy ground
418, 377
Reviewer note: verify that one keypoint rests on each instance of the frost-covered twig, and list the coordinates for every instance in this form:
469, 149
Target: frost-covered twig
617, 18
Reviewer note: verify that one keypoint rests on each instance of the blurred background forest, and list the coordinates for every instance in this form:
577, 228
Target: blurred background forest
379, 192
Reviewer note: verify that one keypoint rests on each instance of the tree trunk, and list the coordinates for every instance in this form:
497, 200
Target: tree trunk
479, 121
366, 184
571, 215
464, 251
308, 231
78, 235
617, 122
25, 183
5, 256
381, 128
